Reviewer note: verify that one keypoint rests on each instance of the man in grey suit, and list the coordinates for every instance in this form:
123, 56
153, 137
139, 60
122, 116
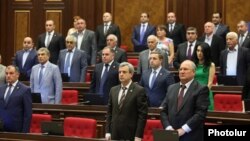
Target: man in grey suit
143, 63
72, 61
244, 35
127, 108
46, 79
185, 105
86, 41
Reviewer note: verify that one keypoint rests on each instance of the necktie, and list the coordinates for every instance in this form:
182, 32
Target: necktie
153, 79
180, 96
142, 32
122, 97
105, 28
48, 40
241, 39
41, 74
103, 79
8, 93
171, 28
67, 63
189, 54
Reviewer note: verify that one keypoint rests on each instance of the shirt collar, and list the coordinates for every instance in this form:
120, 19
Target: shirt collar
235, 49
157, 70
51, 33
130, 82
188, 83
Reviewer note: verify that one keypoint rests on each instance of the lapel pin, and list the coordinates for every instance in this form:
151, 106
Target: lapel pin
160, 73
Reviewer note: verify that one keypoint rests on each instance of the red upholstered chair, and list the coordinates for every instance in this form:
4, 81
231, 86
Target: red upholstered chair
215, 82
88, 77
133, 61
125, 47
35, 126
70, 97
227, 102
80, 127
150, 126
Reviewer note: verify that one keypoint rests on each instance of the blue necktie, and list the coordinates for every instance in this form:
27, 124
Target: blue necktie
153, 79
41, 74
8, 93
67, 63
103, 79
142, 33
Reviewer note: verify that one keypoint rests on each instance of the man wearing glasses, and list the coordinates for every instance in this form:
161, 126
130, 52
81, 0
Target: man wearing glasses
185, 50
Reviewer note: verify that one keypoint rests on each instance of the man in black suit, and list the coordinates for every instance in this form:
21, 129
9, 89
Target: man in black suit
244, 35
120, 54
186, 49
141, 33
220, 29
25, 59
235, 60
105, 74
127, 108
185, 105
51, 40
15, 103
103, 30
214, 41
175, 31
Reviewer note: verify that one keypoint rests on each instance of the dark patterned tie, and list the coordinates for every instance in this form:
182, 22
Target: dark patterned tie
180, 96
122, 97
189, 54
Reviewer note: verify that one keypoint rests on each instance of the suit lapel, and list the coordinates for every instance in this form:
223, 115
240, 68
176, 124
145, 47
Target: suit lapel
187, 94
159, 76
148, 77
128, 95
14, 92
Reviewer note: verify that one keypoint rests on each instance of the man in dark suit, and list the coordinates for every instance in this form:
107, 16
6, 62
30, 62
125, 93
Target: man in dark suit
235, 60
156, 80
72, 61
25, 59
175, 31
186, 49
51, 40
105, 74
185, 105
86, 41
120, 54
127, 108
244, 35
214, 41
15, 103
141, 33
103, 30
220, 29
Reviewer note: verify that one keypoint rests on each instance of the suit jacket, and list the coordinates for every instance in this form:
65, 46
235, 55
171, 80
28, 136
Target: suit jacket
160, 87
143, 61
57, 43
17, 112
192, 112
30, 62
120, 55
178, 34
78, 65
217, 46
112, 79
181, 54
101, 37
222, 31
138, 46
246, 42
51, 83
89, 45
242, 64
129, 121
246, 88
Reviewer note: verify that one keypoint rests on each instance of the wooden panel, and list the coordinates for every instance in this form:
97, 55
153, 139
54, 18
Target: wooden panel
236, 11
22, 0
127, 15
56, 16
21, 27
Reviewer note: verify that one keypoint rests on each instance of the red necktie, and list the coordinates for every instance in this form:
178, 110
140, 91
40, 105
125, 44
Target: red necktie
189, 54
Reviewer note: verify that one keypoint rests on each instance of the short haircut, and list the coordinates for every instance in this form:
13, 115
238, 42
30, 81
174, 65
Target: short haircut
110, 49
162, 27
113, 36
219, 13
130, 66
71, 38
233, 34
76, 17
192, 29
15, 67
44, 49
159, 54
145, 13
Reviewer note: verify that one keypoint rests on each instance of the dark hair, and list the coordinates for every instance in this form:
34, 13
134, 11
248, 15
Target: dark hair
162, 27
219, 13
206, 50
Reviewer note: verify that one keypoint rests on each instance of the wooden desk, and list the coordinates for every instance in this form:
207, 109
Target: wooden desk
5, 136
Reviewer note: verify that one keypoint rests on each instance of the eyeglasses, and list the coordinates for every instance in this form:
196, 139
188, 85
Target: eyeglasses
69, 42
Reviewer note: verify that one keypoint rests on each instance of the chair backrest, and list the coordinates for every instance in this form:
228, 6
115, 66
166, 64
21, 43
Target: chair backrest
35, 126
80, 127
88, 77
125, 47
227, 102
148, 130
133, 61
70, 97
